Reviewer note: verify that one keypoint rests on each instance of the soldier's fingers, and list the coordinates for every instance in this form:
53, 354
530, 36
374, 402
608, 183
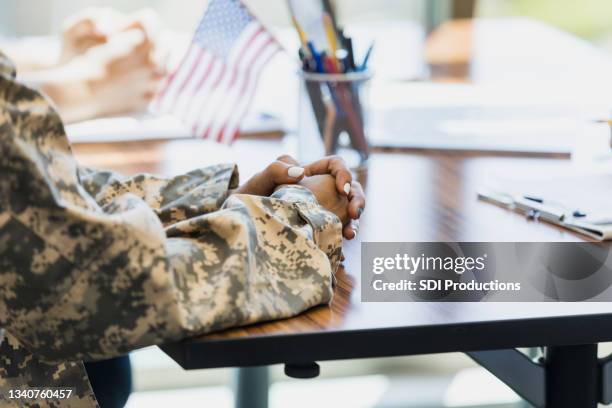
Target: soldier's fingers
281, 172
288, 159
357, 201
275, 174
350, 230
335, 166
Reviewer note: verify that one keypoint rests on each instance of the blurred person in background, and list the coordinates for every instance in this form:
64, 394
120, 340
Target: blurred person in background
108, 64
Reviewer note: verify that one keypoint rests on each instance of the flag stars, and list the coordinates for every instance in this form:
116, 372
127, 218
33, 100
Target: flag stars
222, 24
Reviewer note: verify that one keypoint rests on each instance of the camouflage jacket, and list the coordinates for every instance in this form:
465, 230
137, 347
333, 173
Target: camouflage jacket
93, 264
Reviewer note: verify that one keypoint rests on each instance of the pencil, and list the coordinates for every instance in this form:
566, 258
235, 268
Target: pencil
331, 37
608, 121
302, 35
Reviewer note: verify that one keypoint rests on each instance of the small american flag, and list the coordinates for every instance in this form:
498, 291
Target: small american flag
212, 88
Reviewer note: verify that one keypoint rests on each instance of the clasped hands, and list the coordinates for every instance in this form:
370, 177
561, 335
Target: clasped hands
329, 179
108, 65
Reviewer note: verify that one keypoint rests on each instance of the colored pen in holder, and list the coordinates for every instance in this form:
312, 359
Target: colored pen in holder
333, 113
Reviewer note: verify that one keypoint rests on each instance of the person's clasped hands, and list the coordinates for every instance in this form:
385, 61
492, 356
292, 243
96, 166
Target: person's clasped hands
329, 179
108, 64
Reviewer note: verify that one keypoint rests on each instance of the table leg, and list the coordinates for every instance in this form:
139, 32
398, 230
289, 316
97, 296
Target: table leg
532, 352
251, 387
572, 377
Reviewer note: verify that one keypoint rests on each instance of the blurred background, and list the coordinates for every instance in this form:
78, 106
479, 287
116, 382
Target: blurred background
589, 19
450, 380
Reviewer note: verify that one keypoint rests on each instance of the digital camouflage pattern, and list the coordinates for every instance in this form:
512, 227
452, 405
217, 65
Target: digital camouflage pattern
94, 265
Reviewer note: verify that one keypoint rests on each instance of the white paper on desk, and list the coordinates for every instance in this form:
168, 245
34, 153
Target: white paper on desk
524, 119
590, 192
150, 127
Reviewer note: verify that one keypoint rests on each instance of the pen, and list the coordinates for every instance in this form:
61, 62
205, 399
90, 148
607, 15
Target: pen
536, 199
575, 213
348, 44
308, 63
364, 65
331, 38
540, 210
330, 66
317, 57
342, 58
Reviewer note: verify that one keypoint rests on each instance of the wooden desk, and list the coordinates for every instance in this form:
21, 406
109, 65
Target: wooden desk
425, 196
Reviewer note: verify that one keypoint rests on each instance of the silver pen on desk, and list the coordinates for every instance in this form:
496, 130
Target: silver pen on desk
575, 213
533, 207
540, 209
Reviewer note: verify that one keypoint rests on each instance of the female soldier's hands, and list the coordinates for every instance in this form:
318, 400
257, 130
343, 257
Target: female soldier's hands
284, 170
337, 192
336, 167
344, 185
324, 189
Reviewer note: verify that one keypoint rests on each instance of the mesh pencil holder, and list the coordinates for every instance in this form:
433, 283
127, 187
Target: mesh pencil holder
333, 117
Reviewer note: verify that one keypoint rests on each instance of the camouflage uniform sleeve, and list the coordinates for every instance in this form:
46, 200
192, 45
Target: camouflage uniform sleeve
324, 228
19, 368
175, 199
95, 283
94, 267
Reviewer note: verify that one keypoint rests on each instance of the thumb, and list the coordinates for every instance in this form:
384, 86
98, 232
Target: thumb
276, 174
281, 172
